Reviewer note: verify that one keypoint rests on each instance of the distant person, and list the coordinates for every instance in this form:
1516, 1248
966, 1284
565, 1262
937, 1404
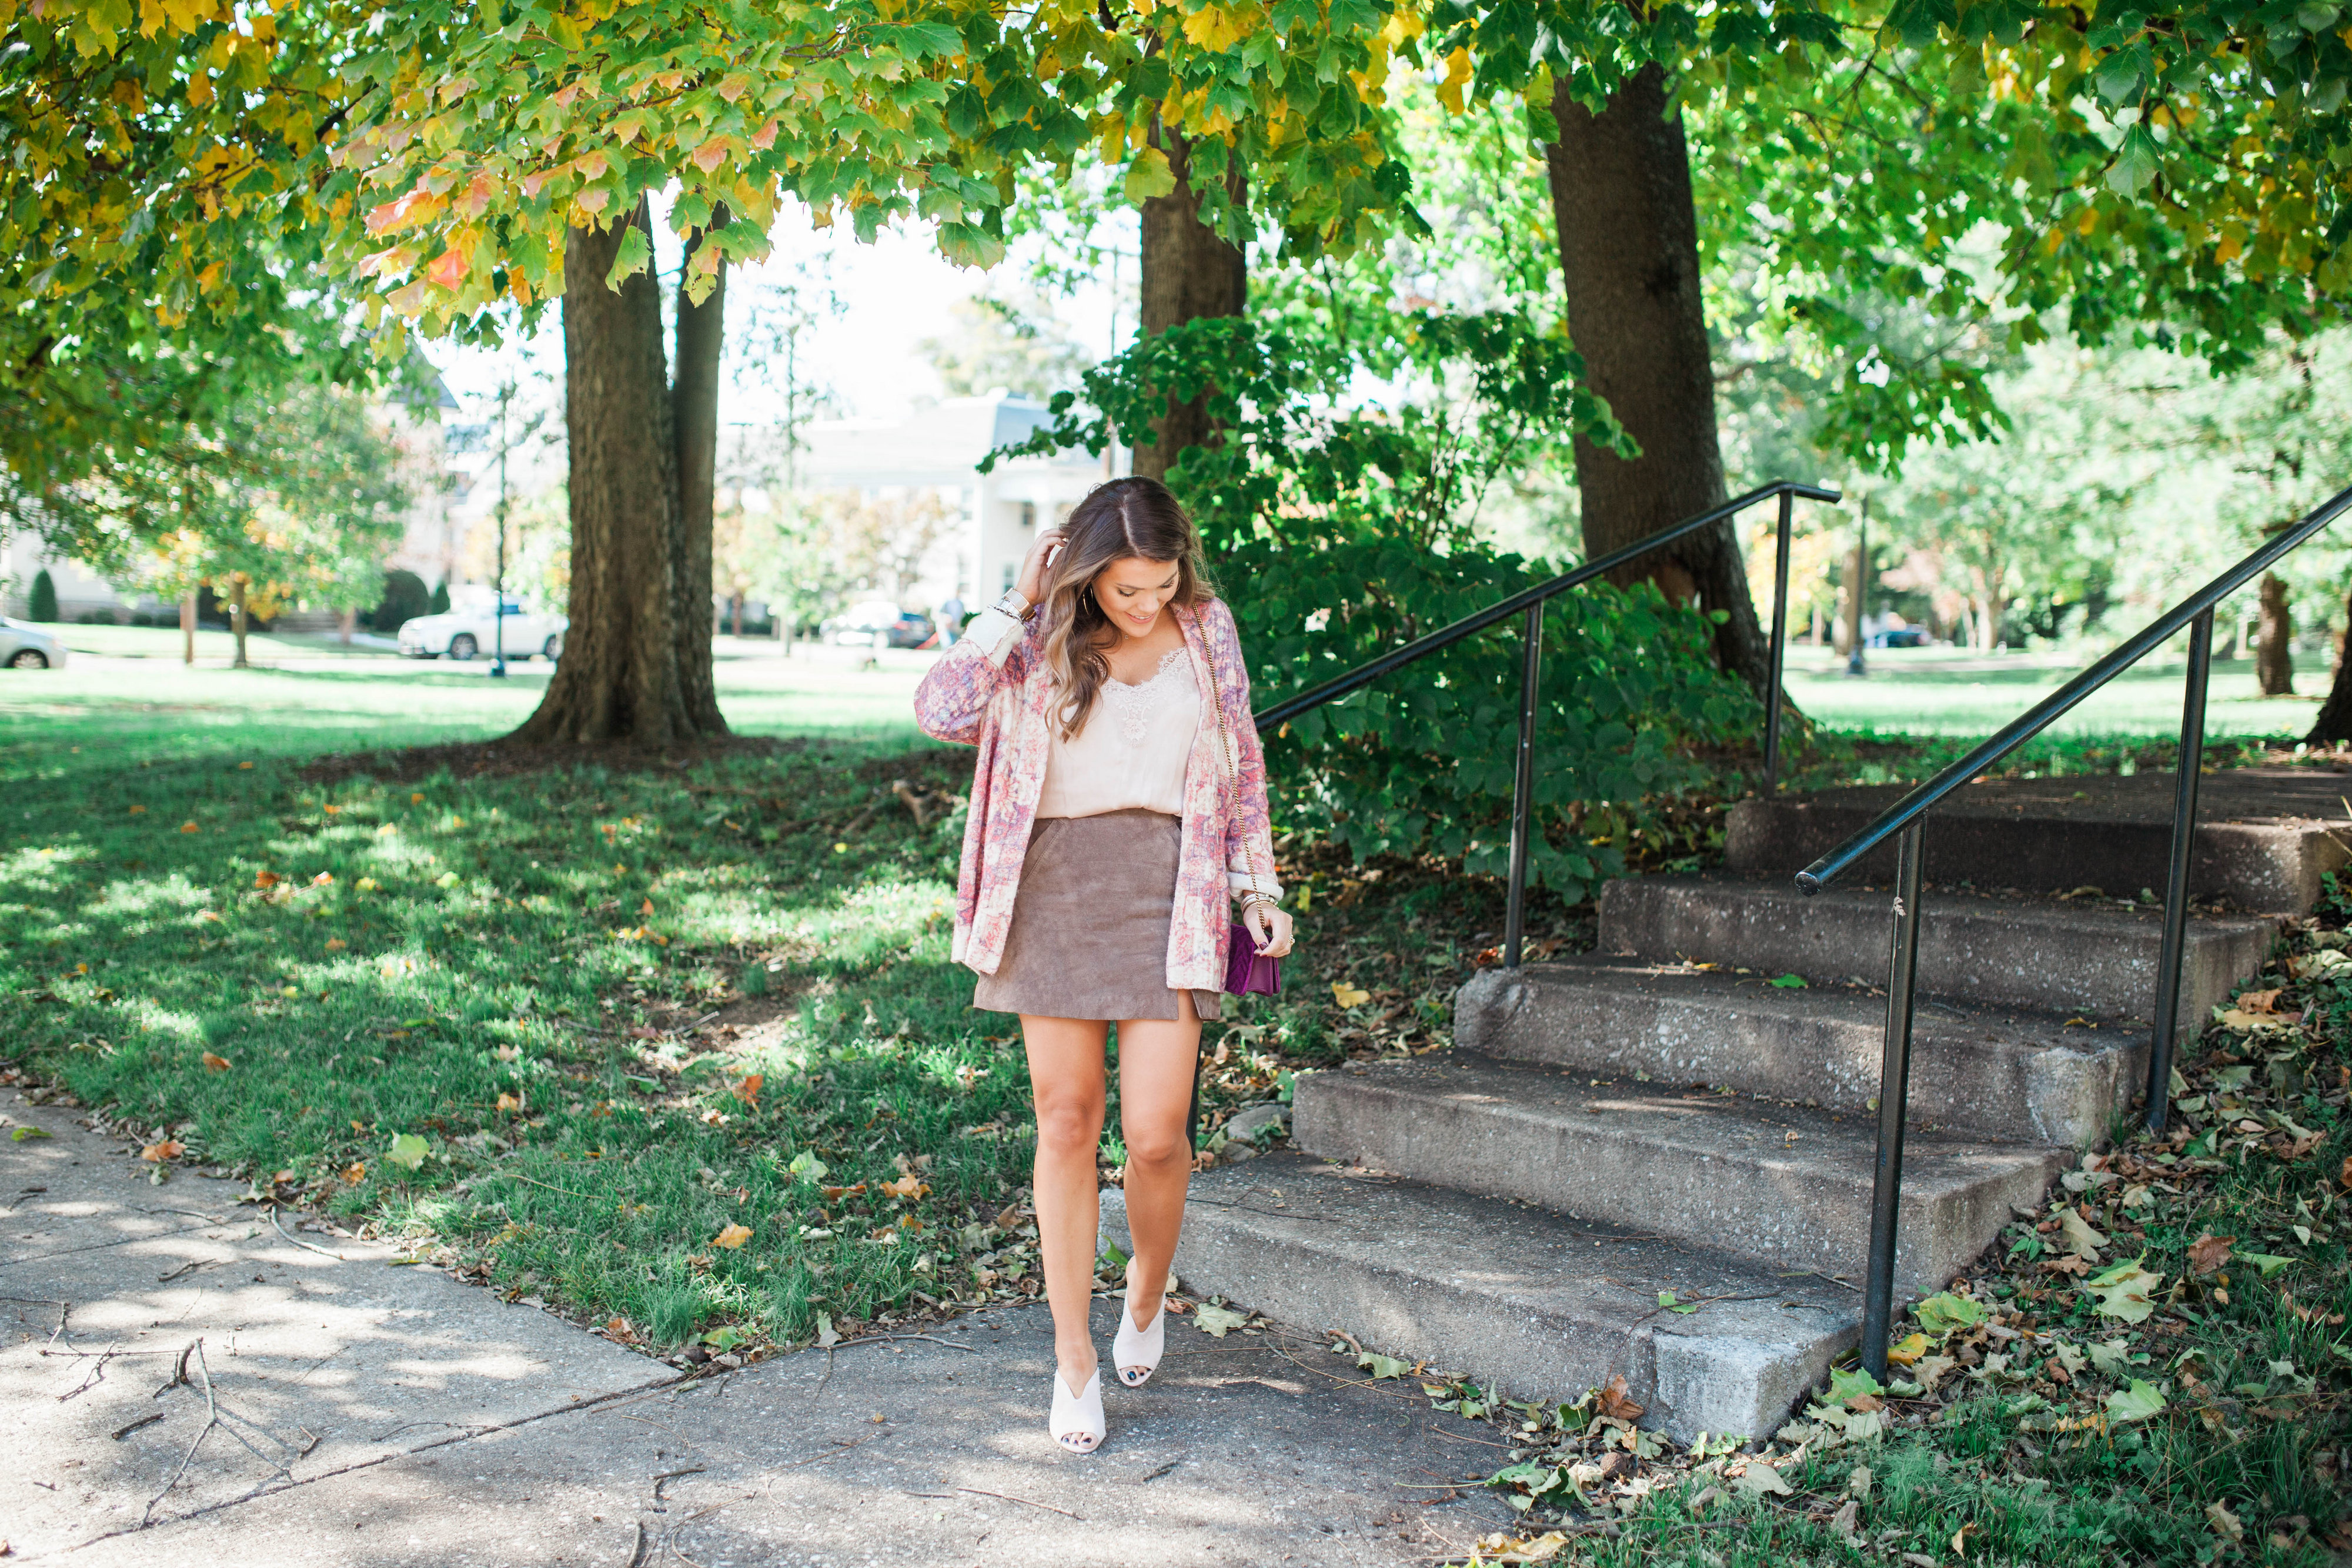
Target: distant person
950, 621
1119, 811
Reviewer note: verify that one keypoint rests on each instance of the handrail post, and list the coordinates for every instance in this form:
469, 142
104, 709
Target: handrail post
1779, 643
1523, 787
2188, 770
1894, 1090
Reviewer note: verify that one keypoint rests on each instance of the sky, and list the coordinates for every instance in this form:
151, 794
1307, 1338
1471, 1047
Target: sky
893, 294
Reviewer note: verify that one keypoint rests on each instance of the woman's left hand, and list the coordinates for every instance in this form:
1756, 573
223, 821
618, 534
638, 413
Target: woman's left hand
1270, 927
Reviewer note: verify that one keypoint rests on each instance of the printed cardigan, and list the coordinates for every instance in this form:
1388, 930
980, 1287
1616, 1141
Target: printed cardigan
969, 699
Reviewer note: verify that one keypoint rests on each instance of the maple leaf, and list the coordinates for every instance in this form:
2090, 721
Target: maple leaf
747, 1089
734, 1236
2209, 1252
216, 1063
168, 1149
2123, 1291
906, 1186
1347, 996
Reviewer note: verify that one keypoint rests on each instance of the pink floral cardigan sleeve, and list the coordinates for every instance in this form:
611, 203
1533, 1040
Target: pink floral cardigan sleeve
967, 697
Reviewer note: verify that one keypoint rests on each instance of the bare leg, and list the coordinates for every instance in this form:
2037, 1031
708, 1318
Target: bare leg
1065, 1075
1156, 1056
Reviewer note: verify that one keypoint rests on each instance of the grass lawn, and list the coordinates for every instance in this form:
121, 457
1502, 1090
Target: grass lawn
678, 1049
1939, 691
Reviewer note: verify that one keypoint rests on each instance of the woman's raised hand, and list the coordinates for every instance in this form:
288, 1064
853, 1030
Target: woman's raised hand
1030, 583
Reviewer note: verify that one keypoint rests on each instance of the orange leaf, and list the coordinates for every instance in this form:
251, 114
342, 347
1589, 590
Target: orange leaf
647, 907
446, 270
510, 1102
709, 156
266, 879
218, 1063
765, 137
2258, 1001
1615, 1404
190, 828
168, 1149
835, 1194
748, 1091
356, 1174
734, 1236
135, 810
906, 1186
335, 943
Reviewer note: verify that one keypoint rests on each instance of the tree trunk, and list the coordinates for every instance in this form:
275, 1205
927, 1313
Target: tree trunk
344, 626
236, 617
619, 678
188, 627
1190, 270
2273, 659
1857, 589
2335, 720
1621, 194
694, 401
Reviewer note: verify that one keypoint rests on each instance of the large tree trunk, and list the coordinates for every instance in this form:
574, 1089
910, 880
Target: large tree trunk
1620, 193
619, 679
236, 617
2273, 659
694, 402
1190, 270
2335, 720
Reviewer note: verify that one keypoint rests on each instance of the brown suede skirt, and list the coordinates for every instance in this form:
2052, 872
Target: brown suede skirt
1089, 934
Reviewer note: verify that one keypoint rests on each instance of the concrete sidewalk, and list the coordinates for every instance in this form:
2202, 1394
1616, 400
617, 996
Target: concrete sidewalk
367, 1414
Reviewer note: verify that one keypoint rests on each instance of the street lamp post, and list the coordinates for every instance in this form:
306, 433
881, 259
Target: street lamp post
499, 579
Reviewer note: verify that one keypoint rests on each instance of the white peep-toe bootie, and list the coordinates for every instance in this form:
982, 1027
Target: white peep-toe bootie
1135, 1351
1078, 1421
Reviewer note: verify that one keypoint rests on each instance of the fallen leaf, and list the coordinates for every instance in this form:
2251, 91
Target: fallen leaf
1788, 982
807, 1167
1908, 1350
2224, 1523
1381, 1367
1347, 996
356, 1174
19, 1135
2268, 1262
2137, 1403
2124, 1291
1613, 1401
906, 1186
510, 1102
2209, 1252
1845, 1520
2081, 1239
2259, 1001
647, 907
266, 879
1944, 1311
336, 944
2110, 1356
407, 1151
1759, 1478
1216, 1320
1960, 1538
826, 1338
734, 1236
835, 1194
1850, 1388
168, 1149
747, 1089
190, 828
216, 1063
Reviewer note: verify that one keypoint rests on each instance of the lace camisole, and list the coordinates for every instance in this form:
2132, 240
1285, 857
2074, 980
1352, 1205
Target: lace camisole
1132, 752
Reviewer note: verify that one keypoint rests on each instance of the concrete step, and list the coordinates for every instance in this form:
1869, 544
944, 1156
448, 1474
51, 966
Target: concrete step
2265, 836
1536, 1305
2065, 957
1788, 1186
2003, 1072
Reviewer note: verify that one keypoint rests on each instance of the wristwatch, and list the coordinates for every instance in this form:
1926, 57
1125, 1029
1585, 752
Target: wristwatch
1013, 604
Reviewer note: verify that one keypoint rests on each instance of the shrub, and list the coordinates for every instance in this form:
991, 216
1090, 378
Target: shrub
441, 597
404, 601
44, 605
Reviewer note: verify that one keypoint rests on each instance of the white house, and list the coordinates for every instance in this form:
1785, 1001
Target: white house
939, 448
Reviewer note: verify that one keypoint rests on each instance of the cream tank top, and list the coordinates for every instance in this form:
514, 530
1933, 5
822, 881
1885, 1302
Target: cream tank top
1132, 752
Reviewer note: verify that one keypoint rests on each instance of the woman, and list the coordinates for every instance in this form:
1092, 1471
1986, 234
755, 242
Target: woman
1117, 803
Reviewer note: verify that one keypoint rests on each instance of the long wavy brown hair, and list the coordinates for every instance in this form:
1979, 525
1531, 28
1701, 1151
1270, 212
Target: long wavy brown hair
1118, 520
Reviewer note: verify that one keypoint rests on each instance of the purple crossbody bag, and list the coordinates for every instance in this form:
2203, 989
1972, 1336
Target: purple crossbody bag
1247, 971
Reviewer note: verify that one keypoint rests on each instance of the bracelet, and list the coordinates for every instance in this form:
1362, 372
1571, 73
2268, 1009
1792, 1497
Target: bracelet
1253, 898
1013, 604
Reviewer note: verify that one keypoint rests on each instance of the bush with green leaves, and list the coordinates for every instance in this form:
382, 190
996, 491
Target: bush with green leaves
44, 605
404, 598
1339, 530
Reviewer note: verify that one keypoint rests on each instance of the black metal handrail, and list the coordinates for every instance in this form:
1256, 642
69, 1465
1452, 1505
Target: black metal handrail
1530, 602
1907, 817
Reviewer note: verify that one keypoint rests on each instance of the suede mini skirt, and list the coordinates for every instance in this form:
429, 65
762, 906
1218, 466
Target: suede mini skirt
1089, 932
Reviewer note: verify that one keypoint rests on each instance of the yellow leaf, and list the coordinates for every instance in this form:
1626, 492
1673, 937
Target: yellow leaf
1908, 1351
734, 1236
906, 1186
1147, 177
1347, 996
1457, 77
510, 1102
356, 1174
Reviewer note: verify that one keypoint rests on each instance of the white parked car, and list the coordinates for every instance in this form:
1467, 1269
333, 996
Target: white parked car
24, 646
470, 632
